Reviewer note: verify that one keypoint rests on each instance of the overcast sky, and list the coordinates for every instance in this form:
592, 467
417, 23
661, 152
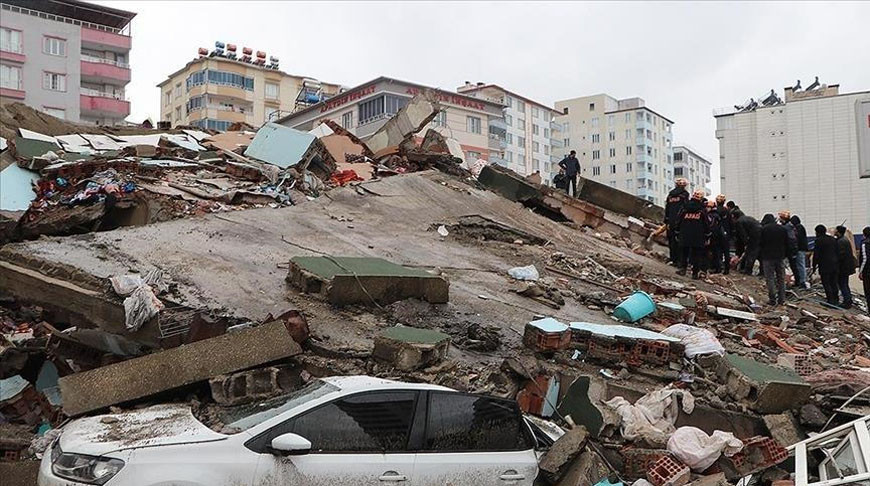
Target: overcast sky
684, 59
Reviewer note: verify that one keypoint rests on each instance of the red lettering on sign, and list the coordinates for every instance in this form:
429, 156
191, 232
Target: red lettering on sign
692, 216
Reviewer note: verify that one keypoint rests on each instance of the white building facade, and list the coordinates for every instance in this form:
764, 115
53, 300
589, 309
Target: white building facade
693, 166
531, 133
621, 143
800, 154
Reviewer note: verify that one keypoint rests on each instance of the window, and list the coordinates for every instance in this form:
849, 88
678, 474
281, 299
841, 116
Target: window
535, 147
678, 157
521, 123
10, 77
229, 79
535, 112
629, 166
535, 129
473, 124
638, 115
628, 118
611, 136
536, 164
177, 113
509, 138
509, 155
613, 168
596, 154
54, 46
196, 79
55, 112
458, 422
178, 90
591, 106
566, 126
394, 103
521, 106
596, 171
678, 171
566, 142
271, 91
565, 110
509, 101
628, 150
546, 133
546, 150
521, 141
612, 152
54, 81
612, 183
167, 98
195, 103
509, 120
596, 138
594, 121
10, 40
371, 110
346, 120
441, 119
628, 133
521, 159
628, 184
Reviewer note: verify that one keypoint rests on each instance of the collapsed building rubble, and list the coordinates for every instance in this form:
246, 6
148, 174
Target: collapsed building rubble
492, 285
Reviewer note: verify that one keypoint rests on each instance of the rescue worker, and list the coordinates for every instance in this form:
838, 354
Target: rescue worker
725, 220
825, 260
571, 166
791, 255
739, 245
677, 198
845, 266
864, 267
714, 245
692, 234
802, 249
748, 230
774, 248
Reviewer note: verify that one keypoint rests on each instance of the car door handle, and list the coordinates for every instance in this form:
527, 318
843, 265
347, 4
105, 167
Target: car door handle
512, 476
393, 477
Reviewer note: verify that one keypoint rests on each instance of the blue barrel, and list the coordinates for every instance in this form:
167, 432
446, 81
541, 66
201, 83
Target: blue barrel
637, 306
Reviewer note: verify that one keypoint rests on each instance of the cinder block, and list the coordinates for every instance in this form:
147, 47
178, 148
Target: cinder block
800, 363
636, 461
667, 471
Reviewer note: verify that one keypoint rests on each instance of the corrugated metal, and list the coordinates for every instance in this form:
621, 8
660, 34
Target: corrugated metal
279, 145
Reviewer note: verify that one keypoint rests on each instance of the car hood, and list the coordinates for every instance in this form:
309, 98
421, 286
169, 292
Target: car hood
154, 426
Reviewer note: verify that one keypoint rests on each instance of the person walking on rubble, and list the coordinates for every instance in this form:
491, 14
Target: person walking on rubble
726, 223
846, 266
571, 166
748, 230
717, 238
692, 233
677, 198
774, 249
864, 267
825, 260
801, 256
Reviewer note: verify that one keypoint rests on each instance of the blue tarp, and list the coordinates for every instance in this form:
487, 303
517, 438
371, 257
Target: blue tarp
279, 145
16, 188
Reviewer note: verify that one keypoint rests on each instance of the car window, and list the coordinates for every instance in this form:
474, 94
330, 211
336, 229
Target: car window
466, 423
244, 417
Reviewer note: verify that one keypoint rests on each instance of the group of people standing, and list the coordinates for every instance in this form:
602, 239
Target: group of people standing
701, 234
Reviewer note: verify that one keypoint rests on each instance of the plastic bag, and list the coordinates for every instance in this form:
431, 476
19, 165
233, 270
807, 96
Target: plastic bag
696, 340
653, 415
524, 273
140, 307
694, 448
126, 284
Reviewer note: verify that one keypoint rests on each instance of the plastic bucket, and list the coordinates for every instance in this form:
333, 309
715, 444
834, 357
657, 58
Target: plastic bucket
637, 306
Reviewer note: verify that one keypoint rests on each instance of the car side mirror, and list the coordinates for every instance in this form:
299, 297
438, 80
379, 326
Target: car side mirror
290, 445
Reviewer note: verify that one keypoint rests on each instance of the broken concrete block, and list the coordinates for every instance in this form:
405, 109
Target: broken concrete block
360, 280
546, 335
410, 119
410, 348
800, 363
258, 384
783, 429
768, 390
586, 470
758, 453
667, 471
147, 375
556, 461
21, 403
637, 461
717, 479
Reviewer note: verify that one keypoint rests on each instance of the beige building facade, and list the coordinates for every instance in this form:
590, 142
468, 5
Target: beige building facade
800, 154
477, 124
214, 92
694, 167
621, 143
530, 134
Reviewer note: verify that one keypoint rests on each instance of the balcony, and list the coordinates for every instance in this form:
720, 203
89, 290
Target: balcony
104, 71
645, 125
496, 142
556, 127
104, 40
102, 104
556, 143
645, 192
498, 123
555, 159
12, 52
644, 159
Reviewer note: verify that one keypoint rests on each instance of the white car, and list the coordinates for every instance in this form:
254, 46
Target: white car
354, 430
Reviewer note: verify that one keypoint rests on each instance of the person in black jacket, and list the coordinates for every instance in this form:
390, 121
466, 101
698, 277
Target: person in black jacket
716, 241
864, 266
846, 266
825, 260
571, 166
801, 256
774, 249
677, 198
749, 231
725, 220
693, 233
739, 245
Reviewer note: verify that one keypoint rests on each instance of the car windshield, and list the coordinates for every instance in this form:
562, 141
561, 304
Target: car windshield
243, 417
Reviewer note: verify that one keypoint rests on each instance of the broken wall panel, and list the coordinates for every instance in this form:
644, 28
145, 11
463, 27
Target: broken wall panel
154, 373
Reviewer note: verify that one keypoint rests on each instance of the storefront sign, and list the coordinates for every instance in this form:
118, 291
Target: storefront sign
345, 98
453, 99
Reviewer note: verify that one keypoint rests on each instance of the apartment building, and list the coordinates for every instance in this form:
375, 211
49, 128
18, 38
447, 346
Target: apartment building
67, 58
530, 134
228, 85
477, 124
621, 143
799, 153
693, 166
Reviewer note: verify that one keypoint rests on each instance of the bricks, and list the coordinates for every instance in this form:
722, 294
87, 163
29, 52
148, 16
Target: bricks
758, 453
656, 352
800, 363
546, 335
636, 462
252, 385
667, 471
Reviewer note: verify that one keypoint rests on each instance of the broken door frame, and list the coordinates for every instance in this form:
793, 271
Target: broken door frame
854, 433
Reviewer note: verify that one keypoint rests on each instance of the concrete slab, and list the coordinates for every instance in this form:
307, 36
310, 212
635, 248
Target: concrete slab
409, 348
141, 377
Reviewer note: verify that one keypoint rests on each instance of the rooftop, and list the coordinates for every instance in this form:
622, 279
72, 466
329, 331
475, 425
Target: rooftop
78, 10
469, 88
